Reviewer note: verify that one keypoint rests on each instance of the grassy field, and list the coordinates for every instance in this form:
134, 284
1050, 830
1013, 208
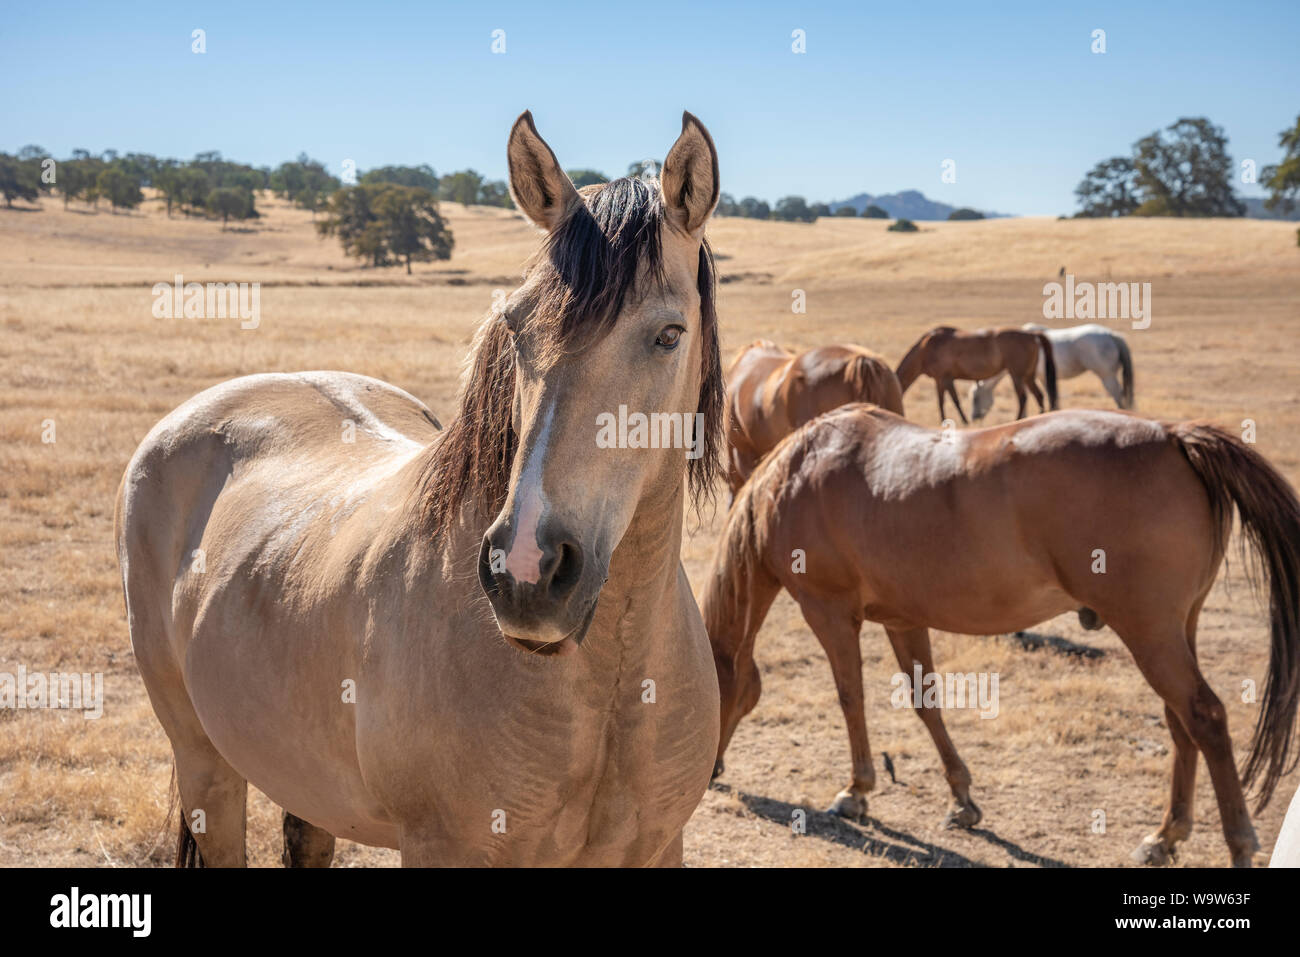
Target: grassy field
79, 346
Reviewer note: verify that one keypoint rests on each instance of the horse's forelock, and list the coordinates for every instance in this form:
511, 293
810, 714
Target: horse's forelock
590, 265
593, 262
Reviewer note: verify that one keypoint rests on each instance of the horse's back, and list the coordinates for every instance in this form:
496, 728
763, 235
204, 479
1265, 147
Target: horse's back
830, 376
287, 429
900, 459
275, 413
1016, 495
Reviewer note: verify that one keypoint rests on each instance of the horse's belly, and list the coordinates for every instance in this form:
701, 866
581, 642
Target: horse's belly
1068, 368
1009, 617
971, 598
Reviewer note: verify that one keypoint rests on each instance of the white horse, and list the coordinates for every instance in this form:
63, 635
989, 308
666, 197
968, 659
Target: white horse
1286, 852
1078, 349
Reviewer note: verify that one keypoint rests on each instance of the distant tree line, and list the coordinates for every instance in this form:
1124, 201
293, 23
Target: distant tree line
212, 186
388, 217
791, 209
1185, 170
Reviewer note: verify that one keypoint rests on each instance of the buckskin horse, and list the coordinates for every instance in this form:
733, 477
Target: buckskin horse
439, 641
994, 530
771, 391
946, 354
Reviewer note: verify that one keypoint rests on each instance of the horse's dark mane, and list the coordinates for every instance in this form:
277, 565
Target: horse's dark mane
591, 263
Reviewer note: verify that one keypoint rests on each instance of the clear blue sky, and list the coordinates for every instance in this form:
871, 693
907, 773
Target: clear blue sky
884, 94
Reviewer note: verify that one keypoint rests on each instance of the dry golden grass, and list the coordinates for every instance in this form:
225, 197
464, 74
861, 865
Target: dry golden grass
80, 346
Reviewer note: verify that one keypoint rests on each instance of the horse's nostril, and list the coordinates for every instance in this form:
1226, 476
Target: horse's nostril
568, 569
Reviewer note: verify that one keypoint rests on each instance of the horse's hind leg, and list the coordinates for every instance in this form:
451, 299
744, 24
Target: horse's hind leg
1169, 665
213, 804
837, 630
1113, 387
1021, 398
912, 647
212, 793
1158, 848
306, 845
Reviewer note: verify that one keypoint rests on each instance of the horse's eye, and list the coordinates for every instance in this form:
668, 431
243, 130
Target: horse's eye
669, 337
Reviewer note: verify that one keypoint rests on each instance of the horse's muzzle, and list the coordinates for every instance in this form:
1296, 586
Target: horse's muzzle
547, 609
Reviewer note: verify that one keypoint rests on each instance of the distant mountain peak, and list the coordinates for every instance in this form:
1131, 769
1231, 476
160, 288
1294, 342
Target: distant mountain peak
905, 204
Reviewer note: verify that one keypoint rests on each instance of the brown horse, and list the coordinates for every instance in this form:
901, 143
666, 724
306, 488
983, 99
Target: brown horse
771, 391
946, 354
862, 515
441, 641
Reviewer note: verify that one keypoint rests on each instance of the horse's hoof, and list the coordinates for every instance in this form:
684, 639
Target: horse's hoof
849, 804
1152, 851
962, 816
1244, 855
717, 769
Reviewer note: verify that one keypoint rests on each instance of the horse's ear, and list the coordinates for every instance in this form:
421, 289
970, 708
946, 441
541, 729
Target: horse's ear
539, 187
689, 179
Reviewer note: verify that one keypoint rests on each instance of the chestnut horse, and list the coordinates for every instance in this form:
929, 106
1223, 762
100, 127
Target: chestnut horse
994, 530
946, 354
771, 391
440, 641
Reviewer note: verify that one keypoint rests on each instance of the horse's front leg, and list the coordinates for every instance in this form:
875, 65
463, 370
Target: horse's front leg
670, 856
425, 846
912, 647
952, 391
837, 630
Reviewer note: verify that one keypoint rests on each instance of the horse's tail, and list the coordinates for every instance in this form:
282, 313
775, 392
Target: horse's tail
870, 380
1235, 474
1049, 369
910, 367
1125, 370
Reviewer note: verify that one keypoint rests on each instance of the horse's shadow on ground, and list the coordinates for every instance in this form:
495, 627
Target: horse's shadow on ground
885, 842
1036, 640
